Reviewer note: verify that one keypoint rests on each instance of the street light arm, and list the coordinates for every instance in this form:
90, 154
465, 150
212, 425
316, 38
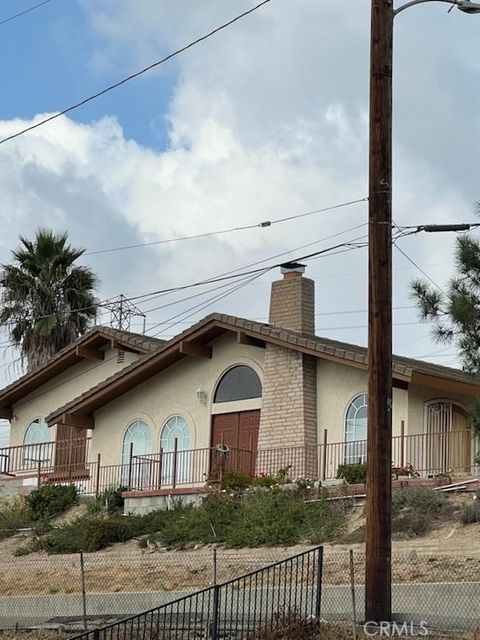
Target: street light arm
464, 5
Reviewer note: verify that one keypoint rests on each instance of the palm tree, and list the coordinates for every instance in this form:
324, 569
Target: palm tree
46, 301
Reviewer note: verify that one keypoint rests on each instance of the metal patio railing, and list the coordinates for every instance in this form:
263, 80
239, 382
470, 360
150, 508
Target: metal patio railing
256, 603
428, 454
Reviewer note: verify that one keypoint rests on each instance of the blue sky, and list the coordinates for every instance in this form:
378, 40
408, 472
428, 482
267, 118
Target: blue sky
47, 64
264, 120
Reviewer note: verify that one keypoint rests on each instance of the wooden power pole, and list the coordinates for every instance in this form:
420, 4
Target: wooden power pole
379, 441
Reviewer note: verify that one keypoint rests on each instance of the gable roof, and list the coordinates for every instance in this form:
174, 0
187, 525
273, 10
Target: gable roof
85, 346
193, 340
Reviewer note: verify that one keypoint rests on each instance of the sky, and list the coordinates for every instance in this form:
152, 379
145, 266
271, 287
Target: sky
264, 120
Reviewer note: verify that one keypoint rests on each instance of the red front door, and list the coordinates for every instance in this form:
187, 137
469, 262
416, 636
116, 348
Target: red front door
70, 451
239, 431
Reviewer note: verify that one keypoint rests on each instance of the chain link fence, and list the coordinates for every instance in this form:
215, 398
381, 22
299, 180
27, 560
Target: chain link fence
442, 591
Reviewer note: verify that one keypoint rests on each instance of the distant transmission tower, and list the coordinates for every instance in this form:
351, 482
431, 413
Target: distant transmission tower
121, 313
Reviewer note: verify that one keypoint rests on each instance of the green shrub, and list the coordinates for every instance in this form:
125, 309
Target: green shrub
353, 473
50, 500
236, 481
92, 533
470, 512
415, 511
421, 499
276, 517
14, 515
263, 516
109, 501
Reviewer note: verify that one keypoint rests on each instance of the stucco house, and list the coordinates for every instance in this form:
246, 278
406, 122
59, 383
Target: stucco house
160, 417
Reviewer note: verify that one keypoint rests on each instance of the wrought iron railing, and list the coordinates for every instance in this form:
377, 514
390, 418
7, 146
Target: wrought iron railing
250, 606
59, 456
425, 455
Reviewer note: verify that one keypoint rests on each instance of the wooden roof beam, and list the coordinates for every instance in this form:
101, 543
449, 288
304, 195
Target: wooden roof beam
243, 338
88, 352
6, 413
121, 346
195, 349
83, 422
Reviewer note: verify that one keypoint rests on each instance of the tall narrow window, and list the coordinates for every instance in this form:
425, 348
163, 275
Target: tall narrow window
239, 383
38, 444
356, 431
137, 439
175, 429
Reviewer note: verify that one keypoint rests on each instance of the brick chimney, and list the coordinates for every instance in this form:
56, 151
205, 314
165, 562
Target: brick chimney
289, 405
292, 300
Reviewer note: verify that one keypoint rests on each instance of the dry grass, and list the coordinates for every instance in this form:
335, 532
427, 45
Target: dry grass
175, 571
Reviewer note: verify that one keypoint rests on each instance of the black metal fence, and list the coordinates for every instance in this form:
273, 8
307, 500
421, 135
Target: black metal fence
255, 603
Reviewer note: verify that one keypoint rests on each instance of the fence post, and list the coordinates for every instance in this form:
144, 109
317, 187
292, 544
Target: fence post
175, 453
130, 462
84, 596
160, 469
318, 594
39, 472
402, 444
216, 608
215, 580
324, 454
352, 586
97, 479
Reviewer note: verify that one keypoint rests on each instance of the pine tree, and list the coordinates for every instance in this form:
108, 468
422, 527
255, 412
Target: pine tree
455, 313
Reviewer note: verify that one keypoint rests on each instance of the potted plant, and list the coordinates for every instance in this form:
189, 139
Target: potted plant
405, 473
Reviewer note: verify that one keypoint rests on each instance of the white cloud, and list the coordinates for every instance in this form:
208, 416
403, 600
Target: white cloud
266, 119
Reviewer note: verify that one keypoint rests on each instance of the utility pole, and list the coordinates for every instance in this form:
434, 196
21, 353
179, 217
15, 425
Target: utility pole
378, 574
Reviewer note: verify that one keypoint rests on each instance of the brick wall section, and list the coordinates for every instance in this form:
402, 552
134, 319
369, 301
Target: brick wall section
292, 304
289, 400
289, 417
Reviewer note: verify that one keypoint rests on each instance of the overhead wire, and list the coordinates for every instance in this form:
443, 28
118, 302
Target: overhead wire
258, 225
115, 85
436, 285
220, 278
208, 303
25, 11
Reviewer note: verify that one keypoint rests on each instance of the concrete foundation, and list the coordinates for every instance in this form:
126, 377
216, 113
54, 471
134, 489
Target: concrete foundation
144, 504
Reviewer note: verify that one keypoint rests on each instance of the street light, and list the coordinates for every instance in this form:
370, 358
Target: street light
462, 5
378, 570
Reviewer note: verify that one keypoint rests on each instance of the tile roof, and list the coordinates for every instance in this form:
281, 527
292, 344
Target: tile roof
402, 366
144, 344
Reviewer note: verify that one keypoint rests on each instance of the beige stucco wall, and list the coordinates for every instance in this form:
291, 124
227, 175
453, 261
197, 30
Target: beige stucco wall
63, 388
418, 397
338, 385
173, 392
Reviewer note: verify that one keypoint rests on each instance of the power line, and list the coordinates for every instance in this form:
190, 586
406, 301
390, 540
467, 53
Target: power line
258, 225
134, 75
229, 274
22, 13
365, 326
420, 269
204, 305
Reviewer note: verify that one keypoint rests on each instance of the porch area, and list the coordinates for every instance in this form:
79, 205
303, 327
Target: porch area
179, 472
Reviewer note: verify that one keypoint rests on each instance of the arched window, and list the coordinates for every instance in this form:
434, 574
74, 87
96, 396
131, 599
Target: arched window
356, 430
138, 435
175, 429
37, 431
239, 383
38, 444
